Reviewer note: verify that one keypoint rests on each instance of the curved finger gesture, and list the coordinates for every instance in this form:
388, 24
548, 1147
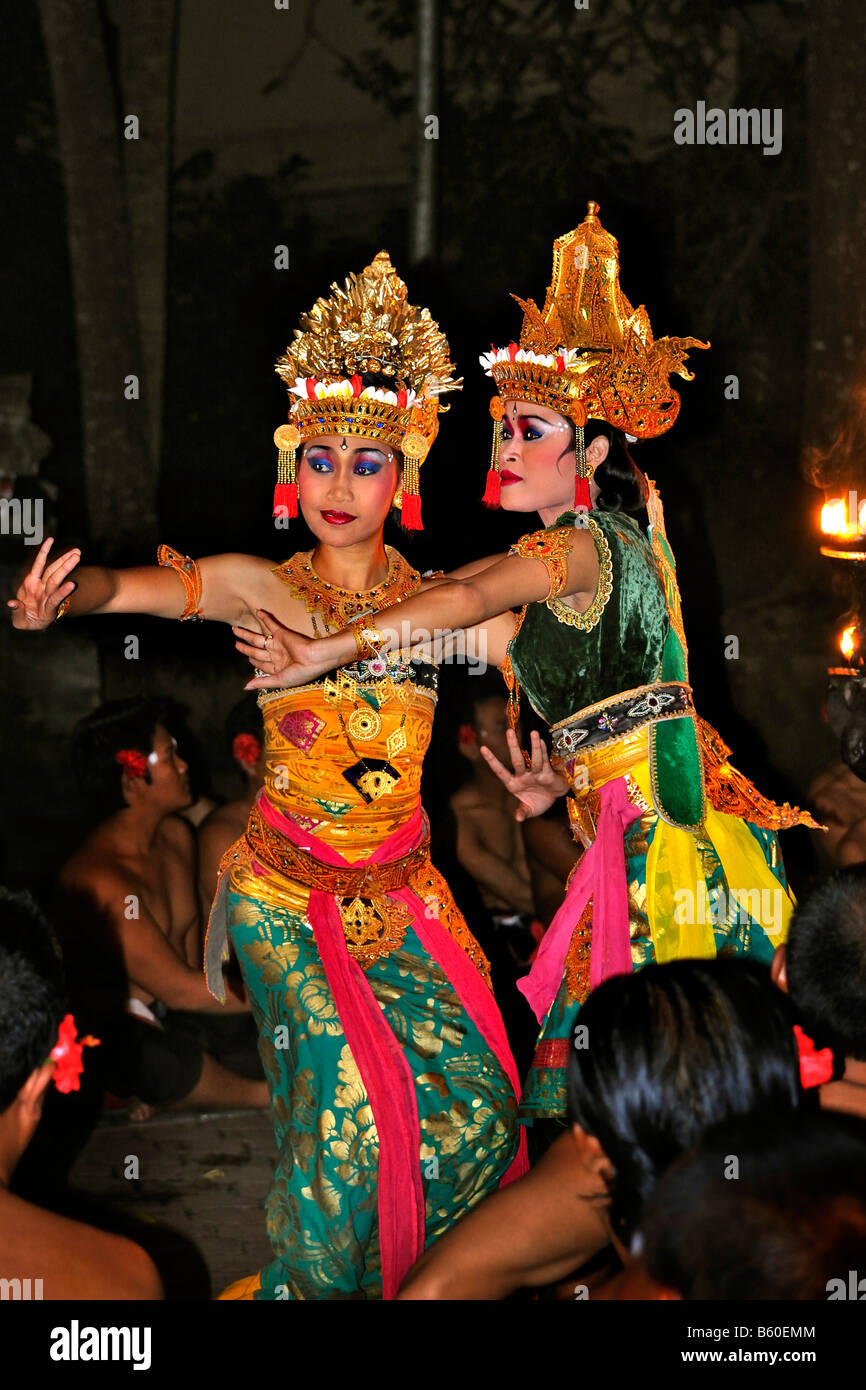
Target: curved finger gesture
537, 786
43, 590
284, 657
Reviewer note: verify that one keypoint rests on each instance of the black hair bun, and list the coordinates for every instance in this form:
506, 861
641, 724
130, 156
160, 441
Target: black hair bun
622, 486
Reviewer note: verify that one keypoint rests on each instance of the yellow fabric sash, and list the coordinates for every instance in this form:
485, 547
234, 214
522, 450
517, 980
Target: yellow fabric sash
679, 910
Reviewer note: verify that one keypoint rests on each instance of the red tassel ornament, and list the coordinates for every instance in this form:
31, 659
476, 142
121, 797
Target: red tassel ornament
287, 438
582, 471
581, 493
286, 499
410, 511
493, 491
414, 448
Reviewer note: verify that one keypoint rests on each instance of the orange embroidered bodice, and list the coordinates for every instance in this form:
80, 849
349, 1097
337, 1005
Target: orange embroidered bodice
344, 754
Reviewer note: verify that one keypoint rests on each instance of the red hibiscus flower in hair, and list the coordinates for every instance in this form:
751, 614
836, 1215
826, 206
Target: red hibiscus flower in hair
133, 763
816, 1064
67, 1054
246, 748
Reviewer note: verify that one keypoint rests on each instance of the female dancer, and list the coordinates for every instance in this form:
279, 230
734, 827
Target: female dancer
681, 852
393, 1089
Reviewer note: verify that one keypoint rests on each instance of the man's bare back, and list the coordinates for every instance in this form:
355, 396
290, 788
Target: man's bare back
71, 1260
133, 883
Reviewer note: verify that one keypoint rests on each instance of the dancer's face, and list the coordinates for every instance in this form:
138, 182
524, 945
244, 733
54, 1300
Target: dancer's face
345, 493
536, 461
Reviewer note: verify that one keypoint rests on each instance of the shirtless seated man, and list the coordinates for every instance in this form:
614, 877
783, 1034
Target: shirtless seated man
519, 863
245, 736
489, 840
43, 1255
130, 925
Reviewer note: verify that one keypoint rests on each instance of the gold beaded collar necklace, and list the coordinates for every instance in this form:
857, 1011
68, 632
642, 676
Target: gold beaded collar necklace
339, 606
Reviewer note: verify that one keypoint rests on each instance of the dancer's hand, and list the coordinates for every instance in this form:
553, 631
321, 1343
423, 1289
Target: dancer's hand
537, 786
286, 657
35, 604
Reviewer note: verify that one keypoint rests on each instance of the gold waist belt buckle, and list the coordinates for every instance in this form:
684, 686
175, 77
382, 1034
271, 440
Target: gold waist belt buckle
373, 926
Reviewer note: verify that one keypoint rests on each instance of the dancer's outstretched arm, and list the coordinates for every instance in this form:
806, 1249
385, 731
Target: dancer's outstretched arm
292, 659
486, 642
232, 586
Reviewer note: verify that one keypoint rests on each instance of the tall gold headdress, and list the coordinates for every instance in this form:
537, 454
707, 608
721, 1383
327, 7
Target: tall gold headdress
365, 362
587, 354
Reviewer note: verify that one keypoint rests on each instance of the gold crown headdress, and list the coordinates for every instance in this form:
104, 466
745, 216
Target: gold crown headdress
587, 354
365, 362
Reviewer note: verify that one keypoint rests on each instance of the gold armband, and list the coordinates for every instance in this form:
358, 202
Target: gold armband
552, 548
190, 574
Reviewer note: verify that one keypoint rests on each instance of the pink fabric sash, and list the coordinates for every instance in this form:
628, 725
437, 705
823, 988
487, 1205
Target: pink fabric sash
384, 1069
600, 875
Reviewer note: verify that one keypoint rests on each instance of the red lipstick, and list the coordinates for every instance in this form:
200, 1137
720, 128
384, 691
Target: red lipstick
337, 518
507, 477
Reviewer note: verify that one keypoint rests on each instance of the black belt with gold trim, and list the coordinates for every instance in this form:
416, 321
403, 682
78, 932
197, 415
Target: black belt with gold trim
620, 714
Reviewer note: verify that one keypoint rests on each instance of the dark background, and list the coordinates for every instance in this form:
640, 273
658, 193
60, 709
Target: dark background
261, 127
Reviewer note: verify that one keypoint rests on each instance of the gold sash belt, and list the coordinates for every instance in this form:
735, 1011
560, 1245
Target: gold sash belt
274, 851
372, 924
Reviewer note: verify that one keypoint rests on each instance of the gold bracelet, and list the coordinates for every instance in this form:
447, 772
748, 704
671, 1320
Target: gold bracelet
356, 629
366, 637
374, 639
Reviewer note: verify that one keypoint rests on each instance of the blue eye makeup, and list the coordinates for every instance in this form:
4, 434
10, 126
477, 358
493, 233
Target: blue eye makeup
319, 463
363, 467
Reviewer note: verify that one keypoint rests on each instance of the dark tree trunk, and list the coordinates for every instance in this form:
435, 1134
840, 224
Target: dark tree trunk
837, 340
119, 468
148, 35
423, 247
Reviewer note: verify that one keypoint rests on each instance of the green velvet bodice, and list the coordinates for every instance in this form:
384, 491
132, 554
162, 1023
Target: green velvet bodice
562, 668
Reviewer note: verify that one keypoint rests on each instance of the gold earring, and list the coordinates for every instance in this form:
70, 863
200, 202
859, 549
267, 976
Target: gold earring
287, 439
